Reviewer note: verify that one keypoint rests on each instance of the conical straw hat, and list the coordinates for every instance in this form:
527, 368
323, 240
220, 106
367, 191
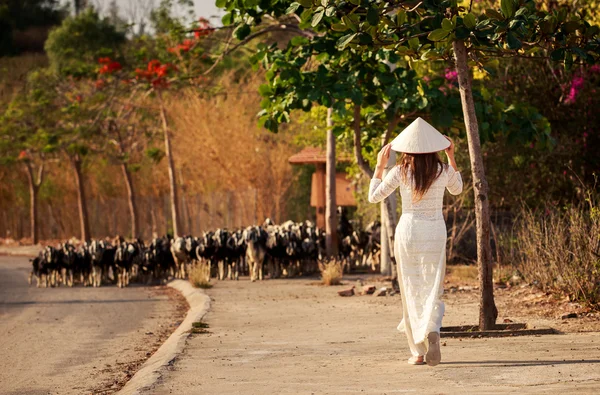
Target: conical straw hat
420, 138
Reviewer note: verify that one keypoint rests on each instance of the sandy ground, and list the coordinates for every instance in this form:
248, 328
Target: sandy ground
293, 336
77, 340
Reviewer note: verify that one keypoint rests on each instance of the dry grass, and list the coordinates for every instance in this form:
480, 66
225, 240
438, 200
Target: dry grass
558, 250
218, 138
460, 274
332, 272
200, 275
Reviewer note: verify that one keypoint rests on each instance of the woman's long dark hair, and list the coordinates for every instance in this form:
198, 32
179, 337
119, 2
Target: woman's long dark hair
424, 171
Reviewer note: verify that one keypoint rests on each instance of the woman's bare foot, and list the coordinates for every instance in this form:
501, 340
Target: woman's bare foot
418, 360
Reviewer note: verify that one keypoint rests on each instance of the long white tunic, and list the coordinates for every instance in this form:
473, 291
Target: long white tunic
419, 248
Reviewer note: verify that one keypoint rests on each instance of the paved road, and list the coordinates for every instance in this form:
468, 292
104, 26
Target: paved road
75, 340
294, 337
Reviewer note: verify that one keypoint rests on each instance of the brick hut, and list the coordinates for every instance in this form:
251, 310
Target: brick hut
344, 190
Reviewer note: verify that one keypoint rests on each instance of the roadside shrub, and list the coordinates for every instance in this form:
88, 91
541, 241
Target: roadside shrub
559, 250
332, 272
200, 275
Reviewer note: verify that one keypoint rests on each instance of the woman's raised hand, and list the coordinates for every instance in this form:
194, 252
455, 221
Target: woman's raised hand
450, 150
450, 154
383, 156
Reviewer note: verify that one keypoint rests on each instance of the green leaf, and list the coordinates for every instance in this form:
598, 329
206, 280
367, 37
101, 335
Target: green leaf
348, 22
339, 27
402, 50
242, 31
413, 43
373, 16
299, 40
265, 90
508, 8
271, 125
512, 41
227, 19
438, 35
429, 54
494, 14
365, 38
570, 27
462, 32
221, 3
356, 96
522, 11
401, 17
447, 24
292, 8
469, 21
317, 18
345, 40
305, 3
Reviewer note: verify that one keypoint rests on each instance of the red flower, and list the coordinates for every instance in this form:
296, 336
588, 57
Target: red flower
162, 71
100, 84
204, 28
104, 60
110, 67
185, 46
153, 65
22, 155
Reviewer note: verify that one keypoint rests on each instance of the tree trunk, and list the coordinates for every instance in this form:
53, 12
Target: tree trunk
487, 308
84, 223
331, 242
388, 222
172, 179
131, 200
34, 187
389, 211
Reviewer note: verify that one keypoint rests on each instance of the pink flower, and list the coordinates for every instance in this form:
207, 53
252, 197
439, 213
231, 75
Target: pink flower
576, 85
451, 75
564, 172
595, 68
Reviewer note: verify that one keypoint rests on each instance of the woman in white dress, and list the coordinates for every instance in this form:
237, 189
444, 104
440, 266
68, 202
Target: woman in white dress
420, 237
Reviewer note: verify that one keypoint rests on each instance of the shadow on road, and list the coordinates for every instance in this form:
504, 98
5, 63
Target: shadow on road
75, 301
522, 363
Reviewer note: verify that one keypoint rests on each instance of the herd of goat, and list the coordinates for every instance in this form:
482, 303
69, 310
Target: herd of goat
289, 249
